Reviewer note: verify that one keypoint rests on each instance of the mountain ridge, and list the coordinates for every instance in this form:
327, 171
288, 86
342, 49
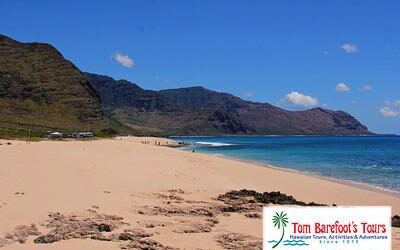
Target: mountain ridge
41, 88
200, 111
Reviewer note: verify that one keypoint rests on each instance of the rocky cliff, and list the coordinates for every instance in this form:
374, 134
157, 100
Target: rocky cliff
199, 111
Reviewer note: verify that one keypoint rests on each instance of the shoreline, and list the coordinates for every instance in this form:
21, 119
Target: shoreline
316, 135
348, 183
361, 185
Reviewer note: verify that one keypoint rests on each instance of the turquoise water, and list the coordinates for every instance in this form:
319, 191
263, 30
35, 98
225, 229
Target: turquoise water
372, 160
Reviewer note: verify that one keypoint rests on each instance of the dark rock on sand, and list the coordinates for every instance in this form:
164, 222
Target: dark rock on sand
243, 200
239, 241
253, 215
4, 242
396, 221
130, 235
21, 233
45, 239
147, 244
85, 226
196, 227
104, 227
172, 210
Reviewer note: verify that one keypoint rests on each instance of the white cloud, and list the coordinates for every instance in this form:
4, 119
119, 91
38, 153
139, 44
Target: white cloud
342, 87
388, 112
349, 48
366, 87
124, 60
299, 100
391, 109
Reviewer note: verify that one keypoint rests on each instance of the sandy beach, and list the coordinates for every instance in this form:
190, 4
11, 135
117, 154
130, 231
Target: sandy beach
123, 194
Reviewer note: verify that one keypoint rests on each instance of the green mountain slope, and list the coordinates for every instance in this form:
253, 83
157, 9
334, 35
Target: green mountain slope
39, 87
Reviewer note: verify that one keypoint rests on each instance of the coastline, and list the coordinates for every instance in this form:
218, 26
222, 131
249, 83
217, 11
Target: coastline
154, 189
361, 185
353, 183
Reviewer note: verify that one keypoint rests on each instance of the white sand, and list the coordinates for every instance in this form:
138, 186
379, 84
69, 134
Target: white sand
121, 176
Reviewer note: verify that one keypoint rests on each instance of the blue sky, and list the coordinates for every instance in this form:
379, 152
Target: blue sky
341, 55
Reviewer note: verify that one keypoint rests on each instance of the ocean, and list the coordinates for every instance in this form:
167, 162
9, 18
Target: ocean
373, 160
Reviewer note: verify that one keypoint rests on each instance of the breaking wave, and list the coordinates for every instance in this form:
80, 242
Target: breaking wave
213, 144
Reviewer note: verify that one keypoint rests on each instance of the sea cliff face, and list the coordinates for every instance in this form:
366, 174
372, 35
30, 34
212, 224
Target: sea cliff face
199, 111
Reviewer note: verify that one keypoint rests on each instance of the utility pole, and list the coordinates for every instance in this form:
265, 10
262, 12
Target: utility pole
29, 134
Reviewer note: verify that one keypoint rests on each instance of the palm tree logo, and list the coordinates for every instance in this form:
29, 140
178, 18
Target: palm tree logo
280, 220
